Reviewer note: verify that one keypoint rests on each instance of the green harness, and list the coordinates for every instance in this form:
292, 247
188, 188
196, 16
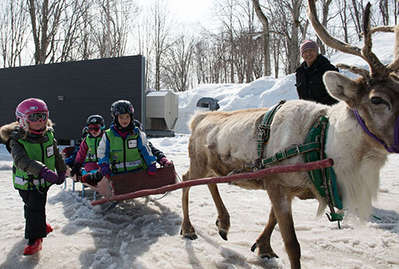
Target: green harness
313, 150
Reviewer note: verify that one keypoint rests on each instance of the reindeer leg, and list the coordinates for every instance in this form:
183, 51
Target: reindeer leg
223, 220
282, 211
263, 242
187, 230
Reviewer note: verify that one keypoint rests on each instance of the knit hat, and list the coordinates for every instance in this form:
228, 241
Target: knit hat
308, 44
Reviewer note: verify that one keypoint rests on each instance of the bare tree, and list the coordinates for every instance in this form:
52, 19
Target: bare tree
266, 37
71, 35
384, 9
45, 19
160, 38
13, 32
289, 22
356, 16
178, 62
325, 7
110, 32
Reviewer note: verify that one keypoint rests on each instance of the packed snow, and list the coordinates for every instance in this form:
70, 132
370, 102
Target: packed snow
144, 233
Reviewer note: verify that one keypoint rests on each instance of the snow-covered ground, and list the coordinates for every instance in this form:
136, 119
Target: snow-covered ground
144, 233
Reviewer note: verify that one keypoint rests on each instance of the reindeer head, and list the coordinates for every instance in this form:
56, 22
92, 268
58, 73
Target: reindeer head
374, 96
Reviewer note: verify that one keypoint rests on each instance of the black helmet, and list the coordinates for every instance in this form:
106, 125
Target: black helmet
95, 119
121, 107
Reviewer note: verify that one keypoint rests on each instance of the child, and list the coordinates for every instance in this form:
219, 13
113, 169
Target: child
124, 147
34, 151
87, 153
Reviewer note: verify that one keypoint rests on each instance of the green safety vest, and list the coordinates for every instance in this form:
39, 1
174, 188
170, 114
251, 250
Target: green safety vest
92, 145
42, 152
124, 154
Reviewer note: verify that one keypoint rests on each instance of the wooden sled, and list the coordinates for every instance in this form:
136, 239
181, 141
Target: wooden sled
122, 185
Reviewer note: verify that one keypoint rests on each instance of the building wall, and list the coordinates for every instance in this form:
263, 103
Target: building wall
75, 90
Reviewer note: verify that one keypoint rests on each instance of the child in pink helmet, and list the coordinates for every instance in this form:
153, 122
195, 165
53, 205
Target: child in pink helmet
33, 147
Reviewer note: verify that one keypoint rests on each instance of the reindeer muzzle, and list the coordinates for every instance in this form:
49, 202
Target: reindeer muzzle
394, 148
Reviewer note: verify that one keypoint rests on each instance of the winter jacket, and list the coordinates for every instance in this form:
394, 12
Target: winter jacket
309, 83
10, 134
42, 152
90, 162
134, 145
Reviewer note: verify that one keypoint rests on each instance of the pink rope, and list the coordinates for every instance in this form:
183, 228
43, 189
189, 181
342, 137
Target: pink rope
301, 167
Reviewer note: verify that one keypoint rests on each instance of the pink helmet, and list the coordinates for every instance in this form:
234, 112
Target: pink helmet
27, 107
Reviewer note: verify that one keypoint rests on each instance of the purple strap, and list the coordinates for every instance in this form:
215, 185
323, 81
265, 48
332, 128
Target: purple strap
394, 148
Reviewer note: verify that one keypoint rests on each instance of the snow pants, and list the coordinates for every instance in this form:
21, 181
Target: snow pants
35, 213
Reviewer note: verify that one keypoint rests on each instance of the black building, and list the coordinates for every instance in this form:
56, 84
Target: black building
75, 90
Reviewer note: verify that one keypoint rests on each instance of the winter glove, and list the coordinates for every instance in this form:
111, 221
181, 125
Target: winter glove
152, 169
61, 178
92, 178
17, 133
76, 169
48, 175
165, 162
105, 171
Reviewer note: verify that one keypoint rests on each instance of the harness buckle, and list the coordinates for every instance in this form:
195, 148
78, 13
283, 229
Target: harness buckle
297, 148
284, 154
262, 129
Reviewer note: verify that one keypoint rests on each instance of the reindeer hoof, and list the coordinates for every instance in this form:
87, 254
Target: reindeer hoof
223, 234
269, 255
191, 236
254, 246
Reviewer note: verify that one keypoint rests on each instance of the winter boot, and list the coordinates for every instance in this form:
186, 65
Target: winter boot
49, 229
32, 249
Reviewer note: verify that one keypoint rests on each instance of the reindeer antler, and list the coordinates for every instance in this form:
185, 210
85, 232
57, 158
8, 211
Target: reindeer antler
377, 69
394, 66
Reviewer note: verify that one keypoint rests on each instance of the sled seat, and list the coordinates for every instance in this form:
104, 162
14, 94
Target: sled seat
129, 183
140, 180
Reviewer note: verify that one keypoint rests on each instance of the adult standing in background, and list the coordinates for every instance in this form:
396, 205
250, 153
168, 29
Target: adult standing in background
309, 75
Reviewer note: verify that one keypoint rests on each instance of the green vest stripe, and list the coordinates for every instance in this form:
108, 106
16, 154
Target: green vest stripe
92, 145
42, 152
124, 154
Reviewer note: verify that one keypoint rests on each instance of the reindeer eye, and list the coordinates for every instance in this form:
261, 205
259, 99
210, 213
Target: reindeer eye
379, 101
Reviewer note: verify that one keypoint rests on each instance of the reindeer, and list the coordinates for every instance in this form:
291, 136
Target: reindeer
364, 129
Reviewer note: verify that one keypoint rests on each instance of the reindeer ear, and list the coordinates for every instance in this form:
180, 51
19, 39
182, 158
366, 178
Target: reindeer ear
341, 87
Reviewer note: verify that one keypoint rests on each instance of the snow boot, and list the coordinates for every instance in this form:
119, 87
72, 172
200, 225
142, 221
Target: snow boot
32, 249
49, 229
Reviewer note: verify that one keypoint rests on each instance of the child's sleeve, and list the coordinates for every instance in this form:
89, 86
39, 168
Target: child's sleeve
144, 148
22, 161
156, 152
59, 161
103, 150
81, 155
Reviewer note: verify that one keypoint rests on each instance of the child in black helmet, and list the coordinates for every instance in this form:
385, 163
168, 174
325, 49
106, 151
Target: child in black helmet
124, 147
87, 154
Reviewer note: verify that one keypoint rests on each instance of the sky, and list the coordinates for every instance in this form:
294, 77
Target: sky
144, 233
191, 11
